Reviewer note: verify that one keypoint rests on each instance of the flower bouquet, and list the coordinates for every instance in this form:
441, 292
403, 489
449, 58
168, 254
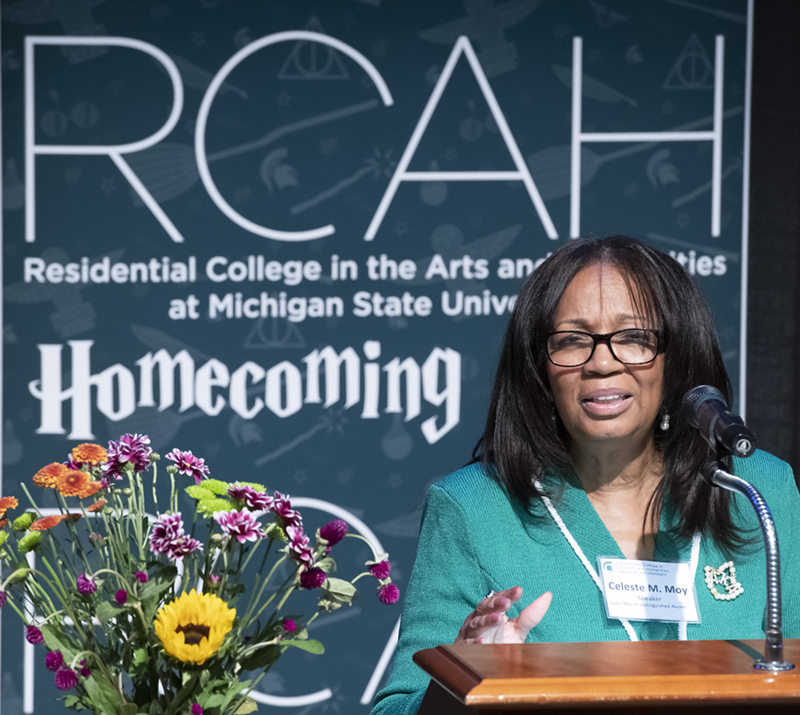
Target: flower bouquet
148, 614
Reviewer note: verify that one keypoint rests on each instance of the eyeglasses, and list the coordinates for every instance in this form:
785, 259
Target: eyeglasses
572, 348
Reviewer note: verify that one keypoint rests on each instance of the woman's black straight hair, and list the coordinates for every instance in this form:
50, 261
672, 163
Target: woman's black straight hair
521, 441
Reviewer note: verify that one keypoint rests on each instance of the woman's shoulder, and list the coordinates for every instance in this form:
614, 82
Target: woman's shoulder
762, 466
471, 487
772, 476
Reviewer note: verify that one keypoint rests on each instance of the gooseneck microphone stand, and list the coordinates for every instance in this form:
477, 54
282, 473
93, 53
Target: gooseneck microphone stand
773, 648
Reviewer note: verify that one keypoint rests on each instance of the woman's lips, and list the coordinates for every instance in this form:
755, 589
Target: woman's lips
606, 403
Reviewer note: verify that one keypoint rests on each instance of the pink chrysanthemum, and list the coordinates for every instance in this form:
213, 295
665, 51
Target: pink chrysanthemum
183, 546
167, 529
298, 545
283, 510
53, 660
381, 570
85, 584
187, 463
33, 635
334, 531
66, 678
388, 594
312, 578
131, 449
252, 499
241, 525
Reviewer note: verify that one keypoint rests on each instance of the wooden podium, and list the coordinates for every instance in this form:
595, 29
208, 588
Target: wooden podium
653, 677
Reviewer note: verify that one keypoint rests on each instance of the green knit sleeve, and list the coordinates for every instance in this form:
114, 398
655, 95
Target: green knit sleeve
441, 594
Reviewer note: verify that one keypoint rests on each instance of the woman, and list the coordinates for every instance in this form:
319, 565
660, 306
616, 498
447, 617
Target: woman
586, 454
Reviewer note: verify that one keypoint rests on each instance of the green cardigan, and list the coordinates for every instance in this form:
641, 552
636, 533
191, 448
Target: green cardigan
474, 539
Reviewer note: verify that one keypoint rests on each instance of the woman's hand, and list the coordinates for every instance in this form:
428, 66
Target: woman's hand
489, 622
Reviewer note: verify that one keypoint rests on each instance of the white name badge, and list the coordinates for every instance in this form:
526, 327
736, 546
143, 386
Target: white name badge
648, 590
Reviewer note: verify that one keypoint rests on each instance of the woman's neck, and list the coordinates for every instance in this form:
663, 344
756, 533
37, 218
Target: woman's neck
620, 483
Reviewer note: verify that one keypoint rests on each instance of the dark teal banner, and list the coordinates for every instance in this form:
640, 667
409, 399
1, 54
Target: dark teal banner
287, 235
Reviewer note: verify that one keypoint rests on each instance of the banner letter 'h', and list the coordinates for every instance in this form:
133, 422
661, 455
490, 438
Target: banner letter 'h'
579, 137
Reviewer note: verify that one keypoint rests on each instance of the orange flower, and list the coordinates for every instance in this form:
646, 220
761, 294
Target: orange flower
7, 503
89, 453
72, 517
47, 522
91, 489
97, 506
72, 482
3, 523
48, 476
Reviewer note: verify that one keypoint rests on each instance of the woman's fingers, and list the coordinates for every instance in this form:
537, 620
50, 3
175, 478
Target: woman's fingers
531, 615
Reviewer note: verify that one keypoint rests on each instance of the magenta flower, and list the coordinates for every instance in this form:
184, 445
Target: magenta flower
141, 577
33, 635
253, 500
167, 530
131, 449
312, 578
3, 598
381, 570
283, 509
121, 597
289, 625
241, 525
183, 547
187, 463
53, 660
214, 580
388, 594
96, 539
334, 531
85, 672
197, 709
298, 545
66, 678
86, 584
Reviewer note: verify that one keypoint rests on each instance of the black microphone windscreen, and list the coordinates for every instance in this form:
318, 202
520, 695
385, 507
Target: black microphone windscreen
697, 395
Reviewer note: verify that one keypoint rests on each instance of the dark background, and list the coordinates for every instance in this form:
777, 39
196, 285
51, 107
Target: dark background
773, 387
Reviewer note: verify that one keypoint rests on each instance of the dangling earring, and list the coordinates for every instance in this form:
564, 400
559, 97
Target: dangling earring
665, 422
553, 415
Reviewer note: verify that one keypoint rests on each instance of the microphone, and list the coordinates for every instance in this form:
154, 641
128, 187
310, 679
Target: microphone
706, 409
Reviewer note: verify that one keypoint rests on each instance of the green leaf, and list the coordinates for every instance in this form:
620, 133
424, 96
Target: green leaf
311, 646
339, 590
248, 705
328, 565
57, 640
105, 698
129, 709
106, 611
261, 658
71, 701
162, 578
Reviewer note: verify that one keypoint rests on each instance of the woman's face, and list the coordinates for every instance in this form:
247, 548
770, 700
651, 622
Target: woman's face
604, 399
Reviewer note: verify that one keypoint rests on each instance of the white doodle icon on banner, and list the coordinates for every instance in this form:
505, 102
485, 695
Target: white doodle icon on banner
693, 69
309, 60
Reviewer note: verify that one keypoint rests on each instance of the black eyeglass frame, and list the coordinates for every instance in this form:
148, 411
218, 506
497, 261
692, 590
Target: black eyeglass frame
606, 339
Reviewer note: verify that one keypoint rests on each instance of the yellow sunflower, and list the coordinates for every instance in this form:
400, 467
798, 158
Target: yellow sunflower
192, 627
